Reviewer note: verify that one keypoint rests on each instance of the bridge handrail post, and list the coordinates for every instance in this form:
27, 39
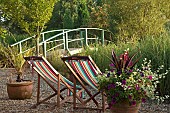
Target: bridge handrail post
102, 37
66, 41
43, 37
97, 39
20, 48
45, 49
81, 36
86, 36
44, 45
64, 44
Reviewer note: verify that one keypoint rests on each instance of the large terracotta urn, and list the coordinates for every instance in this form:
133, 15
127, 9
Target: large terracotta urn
20, 90
124, 107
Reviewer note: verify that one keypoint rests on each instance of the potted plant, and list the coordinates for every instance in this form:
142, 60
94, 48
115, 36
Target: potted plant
127, 86
19, 88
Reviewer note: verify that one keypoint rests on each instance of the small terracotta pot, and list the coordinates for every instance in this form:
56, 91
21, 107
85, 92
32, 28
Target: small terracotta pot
20, 90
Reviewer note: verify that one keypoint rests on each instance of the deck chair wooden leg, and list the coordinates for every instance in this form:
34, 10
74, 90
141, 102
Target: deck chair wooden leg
38, 93
58, 92
92, 97
38, 90
103, 102
74, 92
53, 87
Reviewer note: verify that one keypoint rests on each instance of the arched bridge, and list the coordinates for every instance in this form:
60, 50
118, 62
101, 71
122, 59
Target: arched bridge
71, 40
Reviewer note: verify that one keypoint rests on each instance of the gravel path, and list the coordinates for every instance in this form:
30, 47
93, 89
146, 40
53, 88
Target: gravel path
23, 106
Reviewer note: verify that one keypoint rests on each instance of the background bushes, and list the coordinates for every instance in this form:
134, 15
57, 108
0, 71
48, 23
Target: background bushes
156, 49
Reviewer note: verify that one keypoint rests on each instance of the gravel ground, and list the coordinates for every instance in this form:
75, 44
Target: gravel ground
23, 106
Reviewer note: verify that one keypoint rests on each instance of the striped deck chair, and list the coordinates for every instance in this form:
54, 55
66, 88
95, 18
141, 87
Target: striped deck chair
85, 70
51, 76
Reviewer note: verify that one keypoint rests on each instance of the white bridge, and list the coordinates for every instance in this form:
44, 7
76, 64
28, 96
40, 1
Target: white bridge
70, 40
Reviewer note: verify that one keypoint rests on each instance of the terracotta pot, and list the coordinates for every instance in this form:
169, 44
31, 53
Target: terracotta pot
20, 90
124, 107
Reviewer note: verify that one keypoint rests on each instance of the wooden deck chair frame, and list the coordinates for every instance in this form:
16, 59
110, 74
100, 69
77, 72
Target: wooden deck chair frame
77, 77
57, 91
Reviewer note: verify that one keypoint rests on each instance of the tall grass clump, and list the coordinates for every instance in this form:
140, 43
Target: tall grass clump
98, 54
54, 57
157, 49
101, 53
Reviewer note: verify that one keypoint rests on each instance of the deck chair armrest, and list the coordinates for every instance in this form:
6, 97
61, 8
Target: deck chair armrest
74, 58
33, 58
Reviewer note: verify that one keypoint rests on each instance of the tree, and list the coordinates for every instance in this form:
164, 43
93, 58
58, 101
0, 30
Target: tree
83, 13
68, 22
99, 17
30, 15
56, 19
136, 19
74, 13
68, 13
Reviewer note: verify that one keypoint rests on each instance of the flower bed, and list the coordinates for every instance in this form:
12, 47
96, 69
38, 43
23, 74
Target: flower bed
124, 81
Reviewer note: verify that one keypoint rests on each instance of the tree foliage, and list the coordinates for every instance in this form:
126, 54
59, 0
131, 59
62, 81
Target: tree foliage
127, 19
83, 14
71, 14
99, 17
134, 19
31, 15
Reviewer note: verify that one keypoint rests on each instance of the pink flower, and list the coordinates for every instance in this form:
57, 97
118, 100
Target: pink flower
116, 94
124, 82
112, 65
129, 87
143, 100
133, 103
130, 97
112, 70
130, 70
137, 87
111, 86
144, 92
126, 57
150, 77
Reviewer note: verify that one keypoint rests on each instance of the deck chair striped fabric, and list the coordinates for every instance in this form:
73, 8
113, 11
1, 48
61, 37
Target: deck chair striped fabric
50, 75
85, 70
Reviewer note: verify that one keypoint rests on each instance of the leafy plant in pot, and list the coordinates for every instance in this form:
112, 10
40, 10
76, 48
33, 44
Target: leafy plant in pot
127, 86
19, 89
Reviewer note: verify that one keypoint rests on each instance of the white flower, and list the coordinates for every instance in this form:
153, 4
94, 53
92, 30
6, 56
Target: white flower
135, 73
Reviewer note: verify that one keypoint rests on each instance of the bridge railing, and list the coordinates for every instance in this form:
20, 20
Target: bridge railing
20, 44
65, 39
